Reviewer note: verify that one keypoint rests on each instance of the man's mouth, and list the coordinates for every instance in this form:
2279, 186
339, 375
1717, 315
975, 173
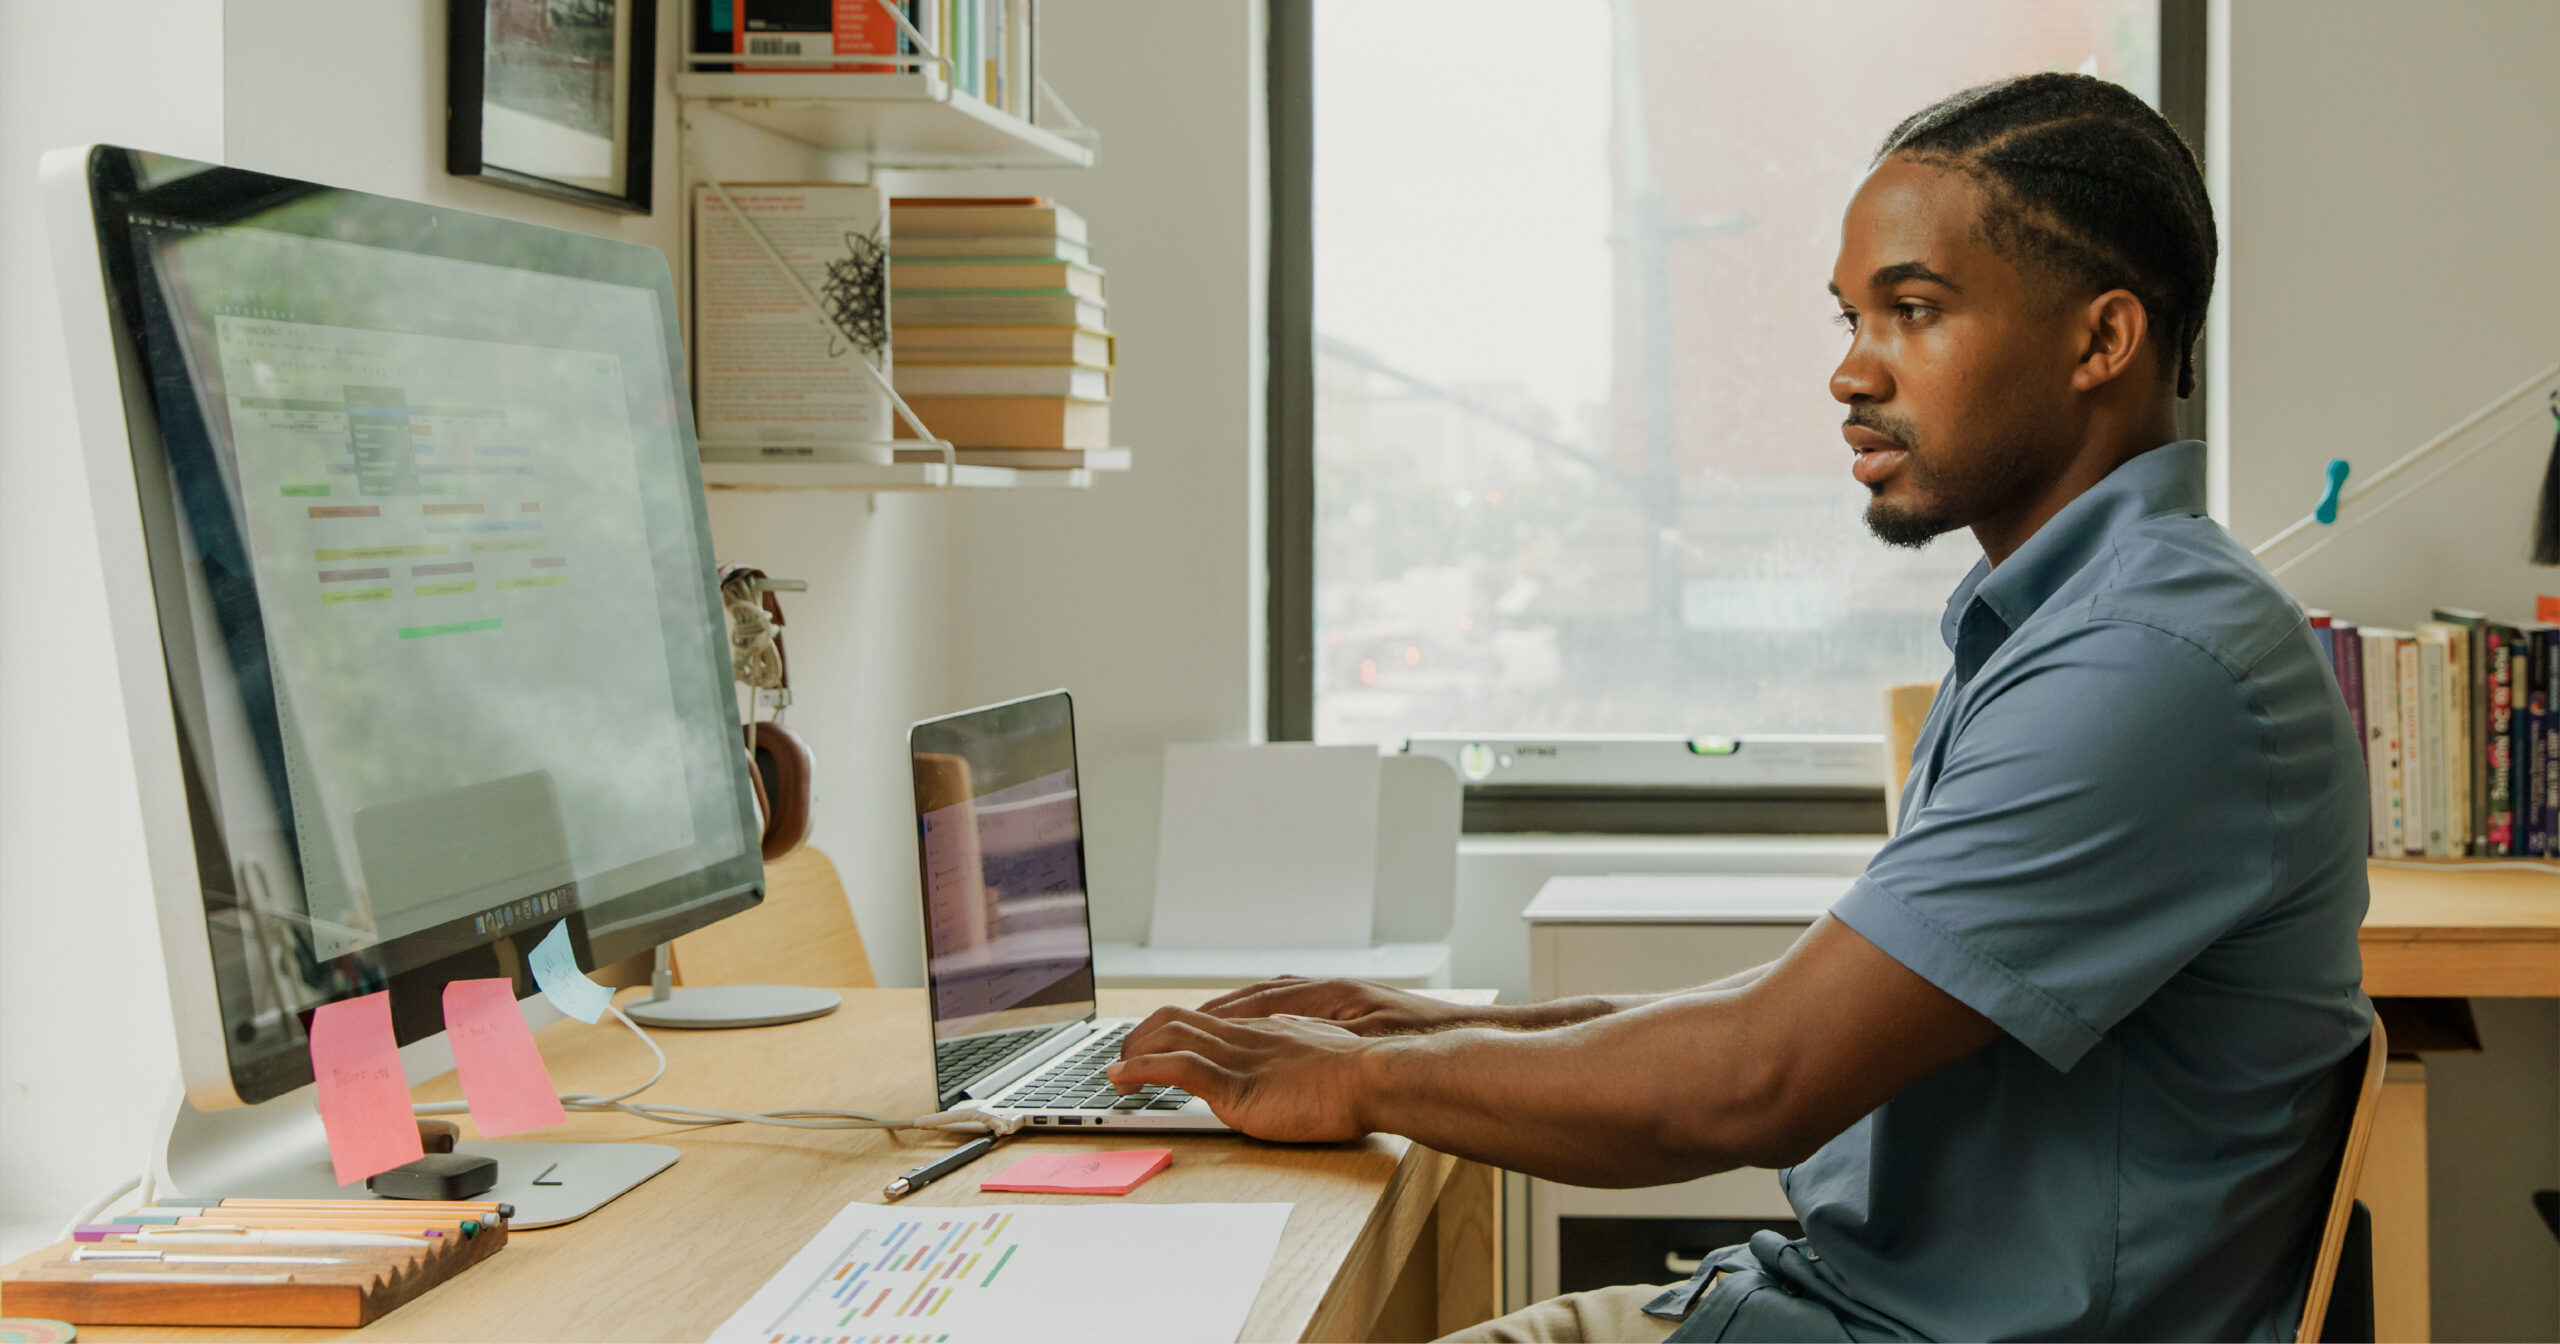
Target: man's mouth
1879, 455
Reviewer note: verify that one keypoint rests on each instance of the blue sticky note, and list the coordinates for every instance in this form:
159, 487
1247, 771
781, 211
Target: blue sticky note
555, 968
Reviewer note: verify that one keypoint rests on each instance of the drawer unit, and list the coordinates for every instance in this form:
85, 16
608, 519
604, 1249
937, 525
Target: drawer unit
1650, 933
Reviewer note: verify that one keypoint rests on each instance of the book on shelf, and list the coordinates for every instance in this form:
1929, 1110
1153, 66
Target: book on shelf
1014, 422
1003, 275
1028, 459
1003, 380
2461, 748
965, 309
766, 370
992, 45
990, 218
990, 246
1003, 345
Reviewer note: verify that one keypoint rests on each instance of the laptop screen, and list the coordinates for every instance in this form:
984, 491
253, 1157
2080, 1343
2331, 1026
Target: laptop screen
999, 831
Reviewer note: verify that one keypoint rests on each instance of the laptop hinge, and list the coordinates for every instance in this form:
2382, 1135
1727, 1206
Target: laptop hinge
1021, 1064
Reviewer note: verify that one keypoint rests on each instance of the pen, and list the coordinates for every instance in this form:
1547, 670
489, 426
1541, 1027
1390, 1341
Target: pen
933, 1171
267, 1236
92, 1253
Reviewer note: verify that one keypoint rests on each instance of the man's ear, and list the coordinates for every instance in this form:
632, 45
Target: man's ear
2112, 329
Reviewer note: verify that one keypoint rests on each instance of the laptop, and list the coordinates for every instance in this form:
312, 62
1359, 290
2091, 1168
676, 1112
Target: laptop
1007, 938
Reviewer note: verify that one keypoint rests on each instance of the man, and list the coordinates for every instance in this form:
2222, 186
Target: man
2069, 1060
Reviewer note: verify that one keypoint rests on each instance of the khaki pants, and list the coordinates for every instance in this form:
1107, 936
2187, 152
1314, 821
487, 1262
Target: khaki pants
1601, 1316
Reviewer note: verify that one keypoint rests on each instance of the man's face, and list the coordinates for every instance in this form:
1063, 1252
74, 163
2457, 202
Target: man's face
1959, 364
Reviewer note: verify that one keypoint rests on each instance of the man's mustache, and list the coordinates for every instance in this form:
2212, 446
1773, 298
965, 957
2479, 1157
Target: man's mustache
1892, 427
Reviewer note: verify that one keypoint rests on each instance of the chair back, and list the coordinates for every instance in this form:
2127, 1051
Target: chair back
1906, 709
1419, 802
2342, 1199
803, 934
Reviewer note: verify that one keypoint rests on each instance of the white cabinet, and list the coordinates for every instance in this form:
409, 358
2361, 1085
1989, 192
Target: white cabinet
1648, 933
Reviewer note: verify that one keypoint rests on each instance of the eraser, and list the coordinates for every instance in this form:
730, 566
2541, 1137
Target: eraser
437, 1176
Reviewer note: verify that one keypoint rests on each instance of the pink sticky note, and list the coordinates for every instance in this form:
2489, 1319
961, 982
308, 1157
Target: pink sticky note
364, 1101
502, 1073
1080, 1173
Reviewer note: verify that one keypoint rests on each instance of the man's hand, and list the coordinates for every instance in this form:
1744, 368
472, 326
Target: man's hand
1362, 1007
1290, 1079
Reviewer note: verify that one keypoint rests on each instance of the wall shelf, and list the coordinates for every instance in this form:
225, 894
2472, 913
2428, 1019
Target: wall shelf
885, 476
904, 120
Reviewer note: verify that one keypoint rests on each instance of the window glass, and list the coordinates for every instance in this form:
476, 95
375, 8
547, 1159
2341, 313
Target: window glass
1577, 464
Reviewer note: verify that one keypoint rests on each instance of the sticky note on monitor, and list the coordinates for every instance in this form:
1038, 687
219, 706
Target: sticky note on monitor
555, 968
1080, 1173
364, 1099
502, 1072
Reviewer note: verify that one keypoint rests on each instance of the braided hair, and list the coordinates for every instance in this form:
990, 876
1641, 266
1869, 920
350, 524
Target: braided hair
2086, 180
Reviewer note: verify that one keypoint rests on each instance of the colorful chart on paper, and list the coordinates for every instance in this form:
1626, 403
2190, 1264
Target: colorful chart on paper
881, 1275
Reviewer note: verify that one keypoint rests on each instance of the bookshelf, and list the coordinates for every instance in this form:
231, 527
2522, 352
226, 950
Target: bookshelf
887, 477
905, 120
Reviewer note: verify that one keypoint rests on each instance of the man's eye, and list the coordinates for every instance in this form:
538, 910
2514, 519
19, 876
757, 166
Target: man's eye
1846, 321
1912, 312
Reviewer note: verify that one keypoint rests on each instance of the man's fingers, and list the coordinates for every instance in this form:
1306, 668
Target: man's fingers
1145, 1029
1178, 1029
1184, 1069
1238, 995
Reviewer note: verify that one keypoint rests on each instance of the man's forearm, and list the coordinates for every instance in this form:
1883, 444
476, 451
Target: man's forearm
1584, 1007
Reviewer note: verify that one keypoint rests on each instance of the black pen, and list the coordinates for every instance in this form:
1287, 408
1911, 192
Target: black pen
933, 1171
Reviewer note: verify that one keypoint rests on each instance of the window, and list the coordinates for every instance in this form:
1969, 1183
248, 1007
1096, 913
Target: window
1575, 465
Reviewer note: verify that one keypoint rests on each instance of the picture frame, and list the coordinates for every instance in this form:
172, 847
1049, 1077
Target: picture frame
555, 97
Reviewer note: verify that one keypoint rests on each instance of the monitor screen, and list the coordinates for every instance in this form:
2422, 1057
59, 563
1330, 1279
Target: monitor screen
1000, 835
435, 591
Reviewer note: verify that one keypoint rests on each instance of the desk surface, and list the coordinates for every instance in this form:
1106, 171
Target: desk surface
2454, 930
673, 1258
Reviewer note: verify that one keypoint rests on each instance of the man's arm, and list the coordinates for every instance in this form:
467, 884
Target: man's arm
1759, 1073
1367, 1008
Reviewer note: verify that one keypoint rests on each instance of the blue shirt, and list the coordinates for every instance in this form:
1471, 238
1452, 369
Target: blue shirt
2133, 838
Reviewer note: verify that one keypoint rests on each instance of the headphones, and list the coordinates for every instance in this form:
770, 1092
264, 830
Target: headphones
780, 763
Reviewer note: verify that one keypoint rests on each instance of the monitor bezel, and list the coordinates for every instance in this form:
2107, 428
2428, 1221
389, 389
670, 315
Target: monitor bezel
88, 190
924, 882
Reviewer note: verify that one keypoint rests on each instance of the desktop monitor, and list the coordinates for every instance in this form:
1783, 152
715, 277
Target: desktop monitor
412, 594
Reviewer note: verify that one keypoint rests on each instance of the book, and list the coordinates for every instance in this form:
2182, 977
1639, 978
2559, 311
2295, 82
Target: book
2456, 767
2501, 836
2348, 650
2427, 713
766, 370
1003, 380
1004, 345
979, 221
1014, 422
1027, 246
1033, 459
2546, 665
1008, 275
2413, 759
810, 28
2382, 736
2475, 624
1000, 310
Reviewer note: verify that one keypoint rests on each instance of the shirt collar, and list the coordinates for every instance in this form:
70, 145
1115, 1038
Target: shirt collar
2168, 479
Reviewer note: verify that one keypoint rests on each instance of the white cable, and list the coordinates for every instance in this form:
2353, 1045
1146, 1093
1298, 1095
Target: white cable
89, 1212
967, 1117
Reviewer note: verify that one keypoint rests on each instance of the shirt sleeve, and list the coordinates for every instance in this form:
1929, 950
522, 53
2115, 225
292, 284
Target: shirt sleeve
2101, 816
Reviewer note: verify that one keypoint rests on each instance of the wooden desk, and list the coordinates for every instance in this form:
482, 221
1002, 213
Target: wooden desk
1388, 1239
2439, 930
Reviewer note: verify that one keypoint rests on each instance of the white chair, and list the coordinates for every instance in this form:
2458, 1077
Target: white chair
1418, 807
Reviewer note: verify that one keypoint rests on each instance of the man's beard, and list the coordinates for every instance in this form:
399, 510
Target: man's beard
1950, 499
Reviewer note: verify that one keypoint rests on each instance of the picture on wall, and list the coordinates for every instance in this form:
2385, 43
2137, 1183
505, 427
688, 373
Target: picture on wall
553, 96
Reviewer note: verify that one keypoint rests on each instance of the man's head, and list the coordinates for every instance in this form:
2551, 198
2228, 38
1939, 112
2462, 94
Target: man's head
2024, 273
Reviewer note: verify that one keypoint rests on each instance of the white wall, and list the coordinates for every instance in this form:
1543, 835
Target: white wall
1144, 596
350, 94
84, 1043
2389, 239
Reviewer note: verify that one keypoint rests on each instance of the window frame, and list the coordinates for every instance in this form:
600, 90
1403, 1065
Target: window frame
1290, 458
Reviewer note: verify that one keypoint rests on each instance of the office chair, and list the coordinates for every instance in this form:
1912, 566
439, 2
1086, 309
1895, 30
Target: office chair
2341, 1295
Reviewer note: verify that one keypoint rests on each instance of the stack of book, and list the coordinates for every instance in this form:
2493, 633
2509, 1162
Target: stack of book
2461, 725
998, 338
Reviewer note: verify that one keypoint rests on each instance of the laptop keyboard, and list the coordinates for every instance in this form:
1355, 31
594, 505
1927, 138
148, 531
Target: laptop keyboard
1077, 1083
956, 1062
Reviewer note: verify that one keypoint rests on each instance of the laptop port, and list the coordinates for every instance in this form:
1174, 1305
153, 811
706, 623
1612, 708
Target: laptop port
1039, 1119
1071, 1119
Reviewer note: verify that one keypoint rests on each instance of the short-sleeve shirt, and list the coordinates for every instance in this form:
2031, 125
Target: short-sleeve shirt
2134, 838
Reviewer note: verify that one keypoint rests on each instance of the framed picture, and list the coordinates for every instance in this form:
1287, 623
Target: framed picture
554, 96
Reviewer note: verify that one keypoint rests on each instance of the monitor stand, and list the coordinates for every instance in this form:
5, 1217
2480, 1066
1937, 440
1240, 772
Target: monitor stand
278, 1150
705, 1007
